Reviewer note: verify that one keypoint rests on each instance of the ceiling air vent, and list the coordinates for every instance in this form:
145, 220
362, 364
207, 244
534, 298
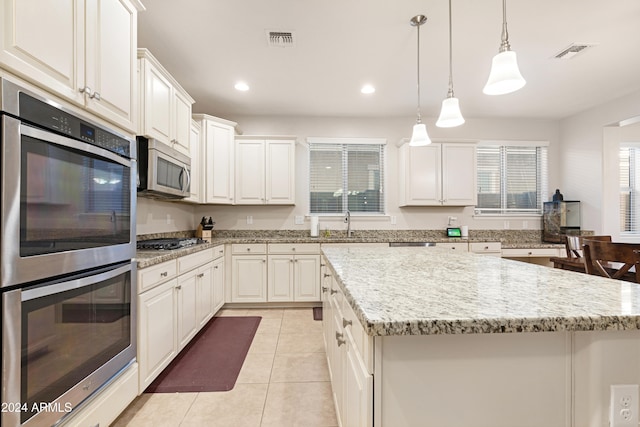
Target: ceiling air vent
573, 50
280, 39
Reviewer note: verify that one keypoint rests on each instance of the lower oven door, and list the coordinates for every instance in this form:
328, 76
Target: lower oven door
62, 341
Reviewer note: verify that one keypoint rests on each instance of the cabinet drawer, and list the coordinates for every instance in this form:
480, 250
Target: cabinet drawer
488, 247
151, 277
530, 252
457, 246
251, 248
362, 341
191, 261
218, 251
294, 248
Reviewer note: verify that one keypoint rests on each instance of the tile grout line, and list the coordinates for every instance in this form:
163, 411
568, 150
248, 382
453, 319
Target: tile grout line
273, 361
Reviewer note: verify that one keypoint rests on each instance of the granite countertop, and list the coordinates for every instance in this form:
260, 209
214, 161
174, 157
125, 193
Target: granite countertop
427, 291
509, 239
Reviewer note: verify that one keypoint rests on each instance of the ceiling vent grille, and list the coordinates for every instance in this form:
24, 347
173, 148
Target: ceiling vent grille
573, 50
281, 39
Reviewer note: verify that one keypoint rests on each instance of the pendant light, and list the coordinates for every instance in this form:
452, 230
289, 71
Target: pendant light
450, 115
505, 76
419, 137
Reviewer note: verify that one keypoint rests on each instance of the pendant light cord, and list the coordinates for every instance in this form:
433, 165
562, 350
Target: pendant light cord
504, 46
418, 76
450, 92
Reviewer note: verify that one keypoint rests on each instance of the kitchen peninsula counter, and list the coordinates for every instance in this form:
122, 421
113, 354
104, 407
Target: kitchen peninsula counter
426, 337
426, 291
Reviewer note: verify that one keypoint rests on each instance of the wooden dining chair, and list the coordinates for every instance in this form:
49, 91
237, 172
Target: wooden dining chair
573, 244
612, 260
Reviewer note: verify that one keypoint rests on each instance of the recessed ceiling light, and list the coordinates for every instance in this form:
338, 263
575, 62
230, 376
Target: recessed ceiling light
367, 89
242, 86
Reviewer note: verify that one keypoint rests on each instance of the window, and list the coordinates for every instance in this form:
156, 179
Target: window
629, 189
512, 179
346, 174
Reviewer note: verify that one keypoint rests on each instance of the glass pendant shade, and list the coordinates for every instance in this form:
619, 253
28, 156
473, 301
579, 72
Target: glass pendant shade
505, 76
419, 137
450, 115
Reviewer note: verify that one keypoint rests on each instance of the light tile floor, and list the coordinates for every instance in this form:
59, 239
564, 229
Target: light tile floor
284, 381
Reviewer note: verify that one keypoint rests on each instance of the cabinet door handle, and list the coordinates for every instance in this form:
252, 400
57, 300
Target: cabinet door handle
178, 287
326, 275
201, 275
164, 274
95, 95
221, 251
346, 322
323, 265
324, 289
333, 292
86, 90
248, 249
216, 267
340, 339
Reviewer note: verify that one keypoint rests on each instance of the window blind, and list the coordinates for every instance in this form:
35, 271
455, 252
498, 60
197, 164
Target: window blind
511, 179
629, 190
346, 177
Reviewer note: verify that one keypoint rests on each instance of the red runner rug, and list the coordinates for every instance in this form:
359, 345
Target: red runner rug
212, 360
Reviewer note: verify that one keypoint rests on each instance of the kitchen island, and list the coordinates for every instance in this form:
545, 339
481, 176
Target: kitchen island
422, 336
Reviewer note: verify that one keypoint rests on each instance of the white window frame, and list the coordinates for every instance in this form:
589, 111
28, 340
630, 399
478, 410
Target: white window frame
543, 186
633, 189
352, 141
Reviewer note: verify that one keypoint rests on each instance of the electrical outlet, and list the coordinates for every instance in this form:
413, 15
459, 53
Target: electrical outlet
249, 220
623, 408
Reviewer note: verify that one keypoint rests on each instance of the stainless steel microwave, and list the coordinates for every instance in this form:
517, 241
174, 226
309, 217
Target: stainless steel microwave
163, 172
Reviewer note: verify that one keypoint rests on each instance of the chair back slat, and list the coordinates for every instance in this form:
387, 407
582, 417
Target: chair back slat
612, 260
573, 244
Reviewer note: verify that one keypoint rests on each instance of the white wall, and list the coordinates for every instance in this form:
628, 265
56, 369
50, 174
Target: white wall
581, 157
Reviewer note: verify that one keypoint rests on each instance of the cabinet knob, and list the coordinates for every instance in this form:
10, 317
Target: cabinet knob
346, 322
215, 266
201, 275
164, 274
530, 253
221, 251
248, 249
293, 249
340, 339
264, 260
291, 261
178, 287
486, 248
333, 292
326, 275
324, 289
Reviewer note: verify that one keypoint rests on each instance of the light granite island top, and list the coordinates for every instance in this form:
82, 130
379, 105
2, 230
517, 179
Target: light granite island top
426, 291
467, 340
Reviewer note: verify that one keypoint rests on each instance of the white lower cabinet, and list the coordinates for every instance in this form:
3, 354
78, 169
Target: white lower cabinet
277, 272
349, 357
157, 331
171, 312
218, 284
249, 273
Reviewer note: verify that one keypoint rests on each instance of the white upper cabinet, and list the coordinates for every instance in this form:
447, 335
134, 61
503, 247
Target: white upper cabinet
217, 159
84, 51
165, 107
196, 163
439, 174
265, 171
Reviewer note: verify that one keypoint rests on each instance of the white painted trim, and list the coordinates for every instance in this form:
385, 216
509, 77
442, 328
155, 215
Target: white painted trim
322, 140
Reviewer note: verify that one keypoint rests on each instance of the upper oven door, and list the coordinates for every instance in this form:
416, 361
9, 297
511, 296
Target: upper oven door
66, 205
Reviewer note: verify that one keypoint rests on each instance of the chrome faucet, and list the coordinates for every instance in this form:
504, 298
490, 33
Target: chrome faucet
347, 219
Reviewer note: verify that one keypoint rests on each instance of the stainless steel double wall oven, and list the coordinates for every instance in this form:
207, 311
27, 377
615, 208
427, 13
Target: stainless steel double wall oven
67, 223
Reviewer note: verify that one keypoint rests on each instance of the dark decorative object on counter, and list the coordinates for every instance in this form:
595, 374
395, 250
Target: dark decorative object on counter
557, 196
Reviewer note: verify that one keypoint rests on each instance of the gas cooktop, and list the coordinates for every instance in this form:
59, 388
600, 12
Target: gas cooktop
168, 244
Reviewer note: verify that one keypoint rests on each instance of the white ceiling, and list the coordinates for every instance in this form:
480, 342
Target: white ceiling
208, 45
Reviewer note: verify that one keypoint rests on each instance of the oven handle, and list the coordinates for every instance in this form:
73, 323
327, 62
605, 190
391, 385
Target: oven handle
71, 143
29, 294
